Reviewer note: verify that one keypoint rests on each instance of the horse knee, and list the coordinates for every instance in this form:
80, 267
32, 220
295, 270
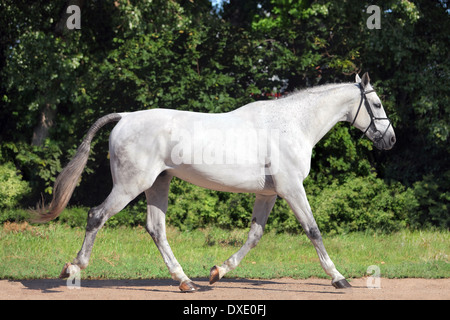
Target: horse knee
153, 231
313, 233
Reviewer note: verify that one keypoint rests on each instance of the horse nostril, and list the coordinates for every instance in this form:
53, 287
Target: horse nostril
393, 140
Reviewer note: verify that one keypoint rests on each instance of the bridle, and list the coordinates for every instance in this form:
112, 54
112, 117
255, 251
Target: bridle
372, 117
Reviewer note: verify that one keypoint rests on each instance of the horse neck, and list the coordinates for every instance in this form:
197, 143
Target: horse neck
327, 109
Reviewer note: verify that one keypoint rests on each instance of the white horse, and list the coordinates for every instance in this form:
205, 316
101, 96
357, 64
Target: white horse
264, 148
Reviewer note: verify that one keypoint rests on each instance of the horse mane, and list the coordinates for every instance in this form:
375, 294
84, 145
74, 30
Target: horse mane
324, 88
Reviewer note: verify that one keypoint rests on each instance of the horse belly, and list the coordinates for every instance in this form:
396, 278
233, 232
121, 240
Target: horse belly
225, 178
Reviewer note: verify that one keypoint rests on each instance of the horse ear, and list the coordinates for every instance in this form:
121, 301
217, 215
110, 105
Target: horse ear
365, 80
357, 79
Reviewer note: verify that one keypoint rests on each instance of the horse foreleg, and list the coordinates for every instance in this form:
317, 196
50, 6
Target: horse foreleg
157, 202
296, 198
261, 209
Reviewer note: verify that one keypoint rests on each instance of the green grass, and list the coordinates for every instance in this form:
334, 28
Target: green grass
28, 252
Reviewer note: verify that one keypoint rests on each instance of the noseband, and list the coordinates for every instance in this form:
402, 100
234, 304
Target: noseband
372, 117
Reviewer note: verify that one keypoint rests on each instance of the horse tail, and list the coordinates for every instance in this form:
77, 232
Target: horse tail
68, 178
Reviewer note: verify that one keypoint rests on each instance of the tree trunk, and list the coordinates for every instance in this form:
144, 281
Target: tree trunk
48, 112
40, 132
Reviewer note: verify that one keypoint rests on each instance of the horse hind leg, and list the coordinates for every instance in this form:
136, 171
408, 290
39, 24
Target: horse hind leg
261, 210
157, 203
97, 217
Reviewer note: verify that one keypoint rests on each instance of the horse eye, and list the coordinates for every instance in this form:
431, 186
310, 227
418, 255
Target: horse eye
377, 105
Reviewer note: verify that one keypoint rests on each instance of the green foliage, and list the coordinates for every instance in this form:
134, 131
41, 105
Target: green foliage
13, 215
39, 164
363, 204
433, 195
338, 155
74, 216
192, 207
12, 187
357, 204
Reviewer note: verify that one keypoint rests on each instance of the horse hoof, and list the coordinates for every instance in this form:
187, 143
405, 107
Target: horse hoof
188, 286
214, 275
64, 272
341, 284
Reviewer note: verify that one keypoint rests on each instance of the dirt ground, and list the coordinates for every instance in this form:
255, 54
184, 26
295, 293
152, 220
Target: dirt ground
225, 289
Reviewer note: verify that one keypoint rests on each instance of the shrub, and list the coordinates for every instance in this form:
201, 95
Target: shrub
74, 216
12, 187
363, 203
357, 204
433, 196
13, 215
192, 207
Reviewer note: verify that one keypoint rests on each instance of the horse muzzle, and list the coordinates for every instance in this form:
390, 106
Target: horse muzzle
384, 141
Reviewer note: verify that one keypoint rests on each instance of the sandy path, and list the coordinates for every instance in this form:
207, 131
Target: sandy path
226, 289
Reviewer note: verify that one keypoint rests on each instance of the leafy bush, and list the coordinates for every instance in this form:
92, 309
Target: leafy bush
433, 196
12, 187
13, 215
74, 216
131, 216
191, 207
40, 165
363, 203
358, 204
